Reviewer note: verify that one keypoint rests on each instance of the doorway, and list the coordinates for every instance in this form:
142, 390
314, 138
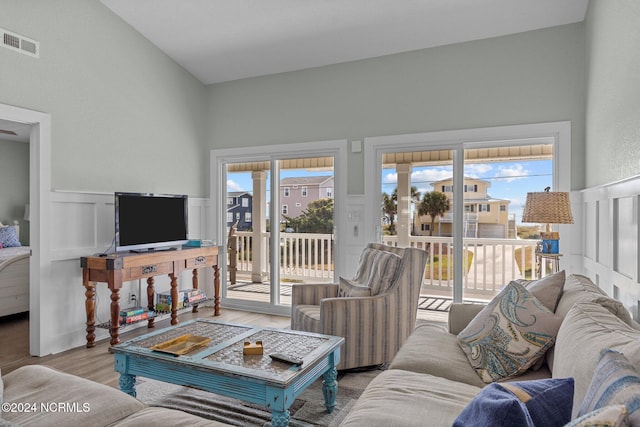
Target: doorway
39, 185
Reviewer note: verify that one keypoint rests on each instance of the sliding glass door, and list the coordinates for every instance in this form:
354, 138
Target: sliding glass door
278, 225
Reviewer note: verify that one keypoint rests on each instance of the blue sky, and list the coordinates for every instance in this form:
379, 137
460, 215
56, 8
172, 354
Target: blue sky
509, 180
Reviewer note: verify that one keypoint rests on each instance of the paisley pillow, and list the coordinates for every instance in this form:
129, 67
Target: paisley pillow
509, 335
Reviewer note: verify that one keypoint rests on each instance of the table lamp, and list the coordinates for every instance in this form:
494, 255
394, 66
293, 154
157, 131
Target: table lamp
548, 207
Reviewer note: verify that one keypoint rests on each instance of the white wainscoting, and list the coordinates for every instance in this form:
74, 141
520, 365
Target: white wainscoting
82, 224
611, 240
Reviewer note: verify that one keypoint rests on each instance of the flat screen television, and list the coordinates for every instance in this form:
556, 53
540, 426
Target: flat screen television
146, 221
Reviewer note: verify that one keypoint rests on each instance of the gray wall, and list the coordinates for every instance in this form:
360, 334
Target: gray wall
124, 115
531, 77
14, 185
613, 104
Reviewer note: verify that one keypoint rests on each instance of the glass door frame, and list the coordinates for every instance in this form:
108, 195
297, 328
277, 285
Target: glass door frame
219, 158
557, 133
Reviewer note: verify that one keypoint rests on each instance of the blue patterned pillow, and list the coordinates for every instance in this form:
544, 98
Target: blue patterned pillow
615, 381
8, 237
545, 402
509, 335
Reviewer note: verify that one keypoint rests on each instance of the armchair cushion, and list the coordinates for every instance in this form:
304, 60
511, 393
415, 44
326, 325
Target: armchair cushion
349, 288
378, 270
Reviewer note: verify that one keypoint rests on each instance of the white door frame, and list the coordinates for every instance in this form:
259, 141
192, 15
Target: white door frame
40, 231
220, 157
457, 140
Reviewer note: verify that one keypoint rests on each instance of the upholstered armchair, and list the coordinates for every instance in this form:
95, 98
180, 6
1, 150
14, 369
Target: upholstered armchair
375, 312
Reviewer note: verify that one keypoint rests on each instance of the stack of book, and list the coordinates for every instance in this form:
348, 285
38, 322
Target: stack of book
163, 301
194, 296
136, 314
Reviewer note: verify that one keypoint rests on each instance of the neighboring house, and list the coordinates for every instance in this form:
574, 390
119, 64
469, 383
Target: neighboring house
239, 208
297, 192
484, 216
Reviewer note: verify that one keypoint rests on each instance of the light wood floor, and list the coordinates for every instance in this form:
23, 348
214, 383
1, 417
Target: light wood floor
97, 363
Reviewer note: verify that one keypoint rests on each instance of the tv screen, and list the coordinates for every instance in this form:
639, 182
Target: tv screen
147, 221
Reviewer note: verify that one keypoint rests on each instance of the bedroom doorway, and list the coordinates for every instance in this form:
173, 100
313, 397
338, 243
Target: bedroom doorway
39, 184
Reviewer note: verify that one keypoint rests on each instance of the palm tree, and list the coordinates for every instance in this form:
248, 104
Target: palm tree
390, 208
434, 204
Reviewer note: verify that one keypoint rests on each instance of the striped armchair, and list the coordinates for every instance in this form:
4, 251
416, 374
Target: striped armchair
374, 327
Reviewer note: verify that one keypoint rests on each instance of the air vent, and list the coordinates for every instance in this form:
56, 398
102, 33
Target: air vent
19, 43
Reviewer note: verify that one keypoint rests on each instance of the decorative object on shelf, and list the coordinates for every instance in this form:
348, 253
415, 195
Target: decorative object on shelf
252, 349
548, 207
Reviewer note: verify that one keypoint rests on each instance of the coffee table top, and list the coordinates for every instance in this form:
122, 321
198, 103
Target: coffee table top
223, 353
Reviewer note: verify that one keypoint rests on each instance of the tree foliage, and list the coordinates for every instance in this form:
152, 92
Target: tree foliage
390, 206
317, 218
434, 204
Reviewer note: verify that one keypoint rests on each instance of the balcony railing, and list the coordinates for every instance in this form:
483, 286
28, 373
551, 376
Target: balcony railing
489, 264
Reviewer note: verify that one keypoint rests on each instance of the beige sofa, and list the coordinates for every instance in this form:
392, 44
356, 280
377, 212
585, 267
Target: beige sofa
430, 381
40, 396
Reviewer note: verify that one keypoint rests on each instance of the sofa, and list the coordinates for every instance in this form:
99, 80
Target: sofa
433, 381
36, 395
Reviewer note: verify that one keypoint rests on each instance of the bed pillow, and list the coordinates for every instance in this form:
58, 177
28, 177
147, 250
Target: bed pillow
545, 402
349, 288
8, 237
615, 382
509, 335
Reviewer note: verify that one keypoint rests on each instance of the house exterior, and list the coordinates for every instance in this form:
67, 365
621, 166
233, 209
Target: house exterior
239, 208
297, 192
484, 216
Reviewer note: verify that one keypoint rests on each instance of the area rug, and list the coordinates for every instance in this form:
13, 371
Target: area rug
307, 410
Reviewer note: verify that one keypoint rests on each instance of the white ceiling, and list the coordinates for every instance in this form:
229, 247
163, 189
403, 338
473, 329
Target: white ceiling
223, 40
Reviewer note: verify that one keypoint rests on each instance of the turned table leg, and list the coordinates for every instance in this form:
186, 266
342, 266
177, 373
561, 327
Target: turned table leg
90, 307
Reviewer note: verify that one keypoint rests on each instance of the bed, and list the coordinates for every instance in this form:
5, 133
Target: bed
14, 272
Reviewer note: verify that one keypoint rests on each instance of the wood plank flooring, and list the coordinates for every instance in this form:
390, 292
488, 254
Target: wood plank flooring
96, 363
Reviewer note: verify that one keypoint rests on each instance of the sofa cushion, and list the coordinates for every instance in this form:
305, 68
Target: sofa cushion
1, 391
349, 288
579, 288
588, 329
608, 416
153, 417
509, 335
97, 404
418, 354
614, 382
548, 289
402, 398
522, 403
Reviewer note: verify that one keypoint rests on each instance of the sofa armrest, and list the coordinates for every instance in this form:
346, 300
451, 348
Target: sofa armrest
312, 293
460, 314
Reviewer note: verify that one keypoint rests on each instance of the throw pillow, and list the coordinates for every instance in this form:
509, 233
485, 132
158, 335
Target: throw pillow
367, 259
548, 289
615, 381
8, 237
545, 402
509, 335
383, 272
608, 416
348, 288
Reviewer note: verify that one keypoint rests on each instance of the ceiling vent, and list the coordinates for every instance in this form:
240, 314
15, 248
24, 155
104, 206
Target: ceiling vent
19, 43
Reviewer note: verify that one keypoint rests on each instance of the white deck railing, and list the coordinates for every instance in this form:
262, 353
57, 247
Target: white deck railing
490, 263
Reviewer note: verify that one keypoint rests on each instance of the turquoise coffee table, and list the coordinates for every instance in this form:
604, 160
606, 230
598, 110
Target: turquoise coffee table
219, 366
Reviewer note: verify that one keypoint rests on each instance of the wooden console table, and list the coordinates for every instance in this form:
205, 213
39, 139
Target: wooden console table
114, 269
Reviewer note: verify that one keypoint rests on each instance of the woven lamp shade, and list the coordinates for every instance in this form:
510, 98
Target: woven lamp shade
548, 208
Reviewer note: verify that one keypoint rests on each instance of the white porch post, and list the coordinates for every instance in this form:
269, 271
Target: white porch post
259, 218
403, 226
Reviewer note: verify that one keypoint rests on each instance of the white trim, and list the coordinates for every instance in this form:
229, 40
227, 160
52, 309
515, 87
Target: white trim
267, 153
40, 229
558, 133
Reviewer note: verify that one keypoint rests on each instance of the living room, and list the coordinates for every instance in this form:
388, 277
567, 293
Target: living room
123, 116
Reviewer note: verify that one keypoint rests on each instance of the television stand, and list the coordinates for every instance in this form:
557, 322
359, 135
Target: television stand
116, 268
